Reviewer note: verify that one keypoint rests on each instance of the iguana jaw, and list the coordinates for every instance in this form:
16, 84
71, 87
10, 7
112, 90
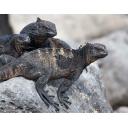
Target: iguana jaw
99, 51
51, 34
93, 52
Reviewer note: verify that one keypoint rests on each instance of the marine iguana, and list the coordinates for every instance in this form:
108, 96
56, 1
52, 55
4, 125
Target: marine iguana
44, 65
12, 46
39, 31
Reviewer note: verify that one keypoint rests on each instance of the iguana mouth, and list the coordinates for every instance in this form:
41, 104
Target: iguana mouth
51, 34
100, 51
100, 55
103, 54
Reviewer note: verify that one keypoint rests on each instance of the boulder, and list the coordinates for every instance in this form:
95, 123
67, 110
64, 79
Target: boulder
87, 95
115, 67
123, 109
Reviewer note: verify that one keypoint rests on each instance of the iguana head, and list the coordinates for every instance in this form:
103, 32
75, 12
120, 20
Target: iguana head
40, 30
20, 42
93, 52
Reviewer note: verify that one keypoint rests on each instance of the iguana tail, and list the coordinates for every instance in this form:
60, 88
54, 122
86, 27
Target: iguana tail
11, 70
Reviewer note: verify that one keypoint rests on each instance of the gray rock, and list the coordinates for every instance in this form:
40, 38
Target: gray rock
123, 109
87, 95
115, 67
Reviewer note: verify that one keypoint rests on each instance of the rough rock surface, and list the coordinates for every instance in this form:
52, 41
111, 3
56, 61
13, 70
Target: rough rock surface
115, 67
123, 109
86, 95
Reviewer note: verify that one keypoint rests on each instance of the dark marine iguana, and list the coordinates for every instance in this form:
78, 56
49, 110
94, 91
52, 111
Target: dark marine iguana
44, 65
41, 33
13, 46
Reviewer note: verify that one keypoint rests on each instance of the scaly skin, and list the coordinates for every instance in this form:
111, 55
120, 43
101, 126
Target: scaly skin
10, 51
44, 65
39, 31
53, 43
13, 46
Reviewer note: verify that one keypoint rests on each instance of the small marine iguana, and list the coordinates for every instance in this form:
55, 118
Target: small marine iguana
44, 65
39, 31
13, 46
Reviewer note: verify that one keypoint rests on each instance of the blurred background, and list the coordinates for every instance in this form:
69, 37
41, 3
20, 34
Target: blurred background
111, 30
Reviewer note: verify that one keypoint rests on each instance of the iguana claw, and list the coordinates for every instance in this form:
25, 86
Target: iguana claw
64, 101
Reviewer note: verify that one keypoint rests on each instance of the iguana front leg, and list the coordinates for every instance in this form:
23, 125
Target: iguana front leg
64, 86
40, 85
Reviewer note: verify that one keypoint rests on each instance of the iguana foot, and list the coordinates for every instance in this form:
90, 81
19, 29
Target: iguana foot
47, 99
64, 101
62, 96
53, 103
